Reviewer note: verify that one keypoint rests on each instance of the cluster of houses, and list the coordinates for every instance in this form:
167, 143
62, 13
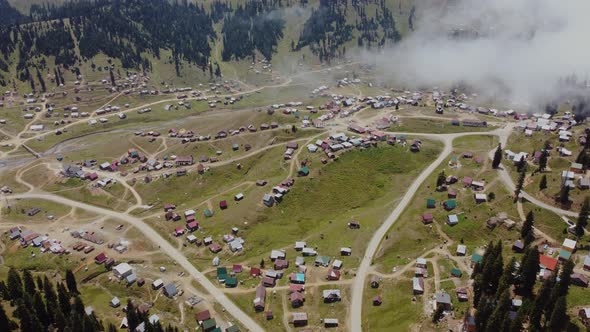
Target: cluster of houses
548, 264
459, 102
208, 323
297, 281
278, 192
28, 237
442, 298
234, 242
547, 124
125, 273
187, 136
450, 204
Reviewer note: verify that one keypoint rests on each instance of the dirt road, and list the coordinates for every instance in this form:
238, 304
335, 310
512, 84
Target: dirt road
164, 245
361, 275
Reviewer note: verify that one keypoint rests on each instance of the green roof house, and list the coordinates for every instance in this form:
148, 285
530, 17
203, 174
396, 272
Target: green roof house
231, 282
221, 274
564, 255
476, 259
209, 325
455, 272
323, 261
450, 204
233, 328
208, 213
303, 171
430, 203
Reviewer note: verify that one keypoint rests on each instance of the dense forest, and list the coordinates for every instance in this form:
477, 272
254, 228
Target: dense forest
544, 307
41, 305
137, 31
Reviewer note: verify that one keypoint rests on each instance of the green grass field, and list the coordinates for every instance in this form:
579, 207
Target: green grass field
398, 312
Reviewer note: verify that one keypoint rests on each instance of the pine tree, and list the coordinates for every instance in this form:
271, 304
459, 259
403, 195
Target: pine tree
71, 282
500, 313
527, 232
57, 82
15, 285
517, 323
564, 194
528, 271
497, 157
49, 292
39, 308
112, 75
565, 278
28, 320
59, 320
559, 316
519, 184
5, 324
483, 313
541, 301
78, 306
41, 80
64, 299
543, 183
438, 314
521, 165
543, 161
507, 278
133, 318
583, 218
582, 157
217, 70
29, 282
441, 179
39, 283
4, 293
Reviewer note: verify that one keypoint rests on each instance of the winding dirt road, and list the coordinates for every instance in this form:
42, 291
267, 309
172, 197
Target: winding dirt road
164, 245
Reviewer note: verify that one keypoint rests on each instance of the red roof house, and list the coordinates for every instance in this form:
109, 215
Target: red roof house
100, 258
255, 272
548, 262
179, 231
223, 205
192, 226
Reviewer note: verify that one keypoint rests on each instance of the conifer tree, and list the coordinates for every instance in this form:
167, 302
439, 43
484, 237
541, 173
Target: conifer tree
5, 323
29, 282
64, 299
497, 157
71, 282
527, 232
543, 161
441, 179
543, 183
583, 218
559, 316
14, 284
528, 271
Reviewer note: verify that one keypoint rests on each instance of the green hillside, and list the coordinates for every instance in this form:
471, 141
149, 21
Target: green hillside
185, 42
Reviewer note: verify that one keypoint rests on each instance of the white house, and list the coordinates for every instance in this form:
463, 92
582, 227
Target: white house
122, 270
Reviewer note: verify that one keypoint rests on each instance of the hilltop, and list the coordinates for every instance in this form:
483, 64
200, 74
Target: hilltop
177, 40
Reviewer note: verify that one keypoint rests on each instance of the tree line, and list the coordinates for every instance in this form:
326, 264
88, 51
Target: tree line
543, 308
42, 305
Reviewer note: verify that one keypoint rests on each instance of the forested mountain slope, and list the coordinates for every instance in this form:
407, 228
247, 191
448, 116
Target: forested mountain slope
141, 33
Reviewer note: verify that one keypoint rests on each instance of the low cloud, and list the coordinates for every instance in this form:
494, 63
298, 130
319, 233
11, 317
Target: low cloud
520, 50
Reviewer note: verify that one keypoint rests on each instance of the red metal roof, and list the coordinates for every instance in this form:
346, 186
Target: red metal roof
548, 262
